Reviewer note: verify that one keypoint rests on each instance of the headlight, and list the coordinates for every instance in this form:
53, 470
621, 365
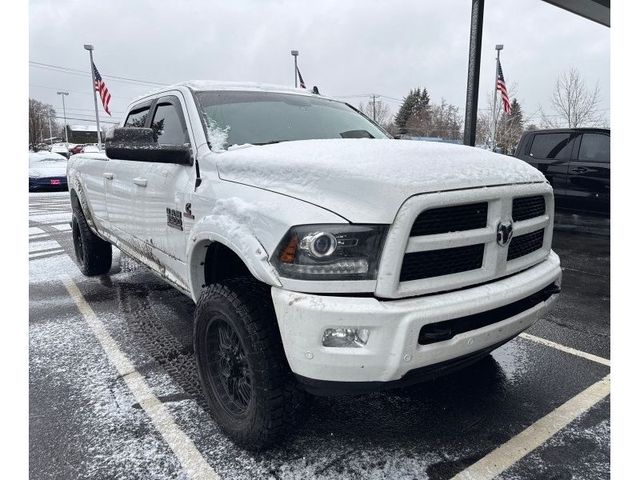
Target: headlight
330, 252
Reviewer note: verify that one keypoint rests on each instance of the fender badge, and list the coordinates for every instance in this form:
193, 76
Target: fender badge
174, 218
187, 212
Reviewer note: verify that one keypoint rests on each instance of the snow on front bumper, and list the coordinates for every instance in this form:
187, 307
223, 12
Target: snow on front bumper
393, 349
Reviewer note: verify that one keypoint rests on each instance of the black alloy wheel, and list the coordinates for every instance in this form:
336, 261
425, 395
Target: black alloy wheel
243, 371
228, 369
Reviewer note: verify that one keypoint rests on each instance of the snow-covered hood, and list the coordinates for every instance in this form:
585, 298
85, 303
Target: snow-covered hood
365, 180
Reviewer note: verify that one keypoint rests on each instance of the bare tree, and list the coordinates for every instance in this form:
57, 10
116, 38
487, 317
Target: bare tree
445, 121
41, 115
382, 113
574, 103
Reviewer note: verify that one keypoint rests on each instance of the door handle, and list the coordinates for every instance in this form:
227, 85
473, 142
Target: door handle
579, 170
108, 176
142, 182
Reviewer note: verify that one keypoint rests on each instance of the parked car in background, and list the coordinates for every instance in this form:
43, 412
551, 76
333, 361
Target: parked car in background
47, 171
61, 149
76, 149
576, 163
90, 148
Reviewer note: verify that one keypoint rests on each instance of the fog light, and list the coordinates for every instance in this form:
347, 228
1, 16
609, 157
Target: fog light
345, 337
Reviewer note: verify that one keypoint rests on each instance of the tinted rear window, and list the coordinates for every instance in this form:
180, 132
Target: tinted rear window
555, 146
594, 147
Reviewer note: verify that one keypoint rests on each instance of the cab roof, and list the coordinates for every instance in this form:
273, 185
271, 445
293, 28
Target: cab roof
214, 85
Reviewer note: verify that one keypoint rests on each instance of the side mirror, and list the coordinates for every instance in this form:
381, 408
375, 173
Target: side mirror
139, 144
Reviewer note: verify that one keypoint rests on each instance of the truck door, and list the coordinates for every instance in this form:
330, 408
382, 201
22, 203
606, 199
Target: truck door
589, 173
121, 189
167, 190
550, 153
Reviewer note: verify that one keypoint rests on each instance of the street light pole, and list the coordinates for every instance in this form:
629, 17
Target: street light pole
295, 67
89, 47
494, 115
473, 73
50, 134
64, 113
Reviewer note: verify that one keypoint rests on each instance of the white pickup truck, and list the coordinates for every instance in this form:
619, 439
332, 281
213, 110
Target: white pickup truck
323, 255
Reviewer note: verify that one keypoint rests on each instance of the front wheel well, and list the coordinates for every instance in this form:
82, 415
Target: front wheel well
222, 263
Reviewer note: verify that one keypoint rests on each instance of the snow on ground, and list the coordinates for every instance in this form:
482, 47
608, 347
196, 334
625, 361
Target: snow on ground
86, 424
108, 433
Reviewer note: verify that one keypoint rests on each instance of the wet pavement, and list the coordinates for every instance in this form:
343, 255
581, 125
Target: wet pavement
86, 423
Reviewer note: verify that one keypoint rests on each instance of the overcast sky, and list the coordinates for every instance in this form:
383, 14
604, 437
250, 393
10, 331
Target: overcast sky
348, 48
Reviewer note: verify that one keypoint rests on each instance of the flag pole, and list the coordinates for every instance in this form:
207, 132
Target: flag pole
64, 113
494, 114
95, 98
294, 53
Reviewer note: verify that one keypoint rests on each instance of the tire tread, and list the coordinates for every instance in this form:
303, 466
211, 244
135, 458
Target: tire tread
284, 399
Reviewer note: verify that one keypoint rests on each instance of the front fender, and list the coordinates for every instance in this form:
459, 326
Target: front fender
234, 235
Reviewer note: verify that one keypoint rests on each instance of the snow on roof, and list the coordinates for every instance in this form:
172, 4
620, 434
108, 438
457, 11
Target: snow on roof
214, 85
34, 156
83, 128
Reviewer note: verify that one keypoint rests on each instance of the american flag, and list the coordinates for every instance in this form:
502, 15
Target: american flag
101, 88
302, 85
502, 88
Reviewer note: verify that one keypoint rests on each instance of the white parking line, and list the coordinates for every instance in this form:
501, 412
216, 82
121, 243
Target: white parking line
535, 435
38, 236
186, 452
572, 351
46, 253
64, 227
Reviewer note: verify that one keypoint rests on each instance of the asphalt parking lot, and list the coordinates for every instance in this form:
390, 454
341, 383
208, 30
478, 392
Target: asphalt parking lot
114, 392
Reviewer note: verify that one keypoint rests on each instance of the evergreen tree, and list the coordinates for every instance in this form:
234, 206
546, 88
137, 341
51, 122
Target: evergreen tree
515, 118
415, 106
510, 128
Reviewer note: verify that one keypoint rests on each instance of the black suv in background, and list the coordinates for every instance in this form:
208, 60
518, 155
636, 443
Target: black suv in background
576, 163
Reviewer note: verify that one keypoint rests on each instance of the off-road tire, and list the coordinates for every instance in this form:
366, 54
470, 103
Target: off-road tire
244, 306
93, 254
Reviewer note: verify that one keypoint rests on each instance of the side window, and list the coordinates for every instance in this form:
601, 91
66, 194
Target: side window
555, 146
137, 117
167, 125
595, 147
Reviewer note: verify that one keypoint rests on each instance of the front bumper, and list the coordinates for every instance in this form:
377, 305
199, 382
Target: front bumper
393, 349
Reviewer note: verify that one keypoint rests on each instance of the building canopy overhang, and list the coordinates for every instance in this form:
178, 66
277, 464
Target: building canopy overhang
595, 10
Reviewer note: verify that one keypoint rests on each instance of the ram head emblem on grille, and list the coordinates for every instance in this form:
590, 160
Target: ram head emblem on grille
505, 232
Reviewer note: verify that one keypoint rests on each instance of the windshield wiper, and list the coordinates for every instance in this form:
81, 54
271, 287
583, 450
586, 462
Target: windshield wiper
271, 142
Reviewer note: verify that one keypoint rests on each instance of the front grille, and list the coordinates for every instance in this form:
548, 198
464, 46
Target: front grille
450, 219
440, 331
525, 244
524, 208
434, 263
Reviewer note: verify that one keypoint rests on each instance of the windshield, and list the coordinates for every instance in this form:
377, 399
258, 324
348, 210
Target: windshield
259, 118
